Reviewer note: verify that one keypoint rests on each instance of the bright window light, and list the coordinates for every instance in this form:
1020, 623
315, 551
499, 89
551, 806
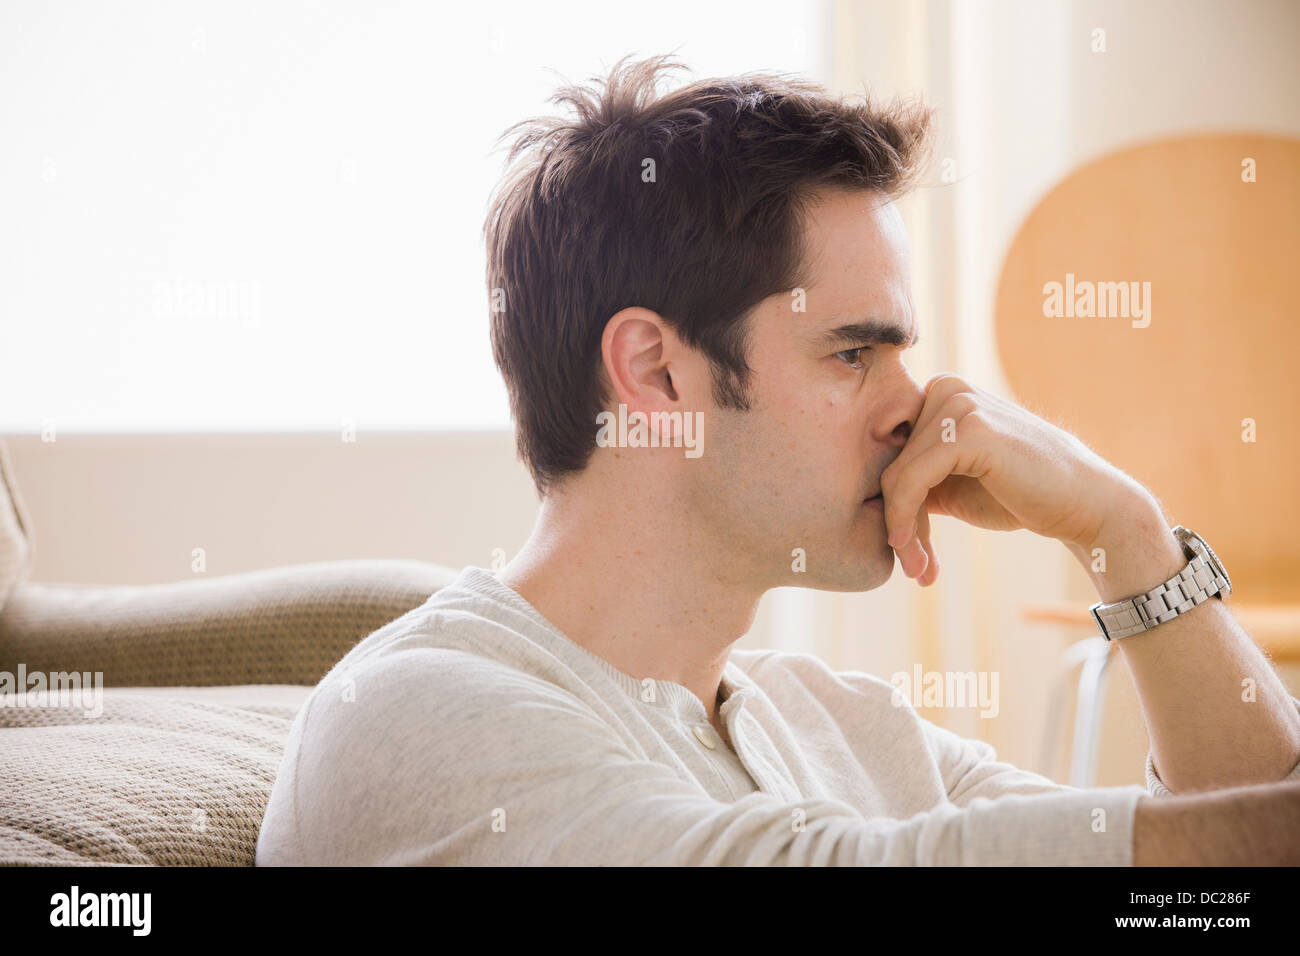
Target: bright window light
250, 216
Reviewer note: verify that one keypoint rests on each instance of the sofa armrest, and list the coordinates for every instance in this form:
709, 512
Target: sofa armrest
286, 625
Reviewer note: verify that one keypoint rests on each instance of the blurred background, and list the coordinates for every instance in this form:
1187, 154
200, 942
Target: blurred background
243, 305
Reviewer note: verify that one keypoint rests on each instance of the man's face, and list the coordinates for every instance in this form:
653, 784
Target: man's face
831, 405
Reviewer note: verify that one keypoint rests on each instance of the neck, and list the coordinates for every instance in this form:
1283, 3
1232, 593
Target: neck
642, 589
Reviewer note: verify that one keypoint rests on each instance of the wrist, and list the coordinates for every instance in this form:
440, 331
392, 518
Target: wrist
1133, 551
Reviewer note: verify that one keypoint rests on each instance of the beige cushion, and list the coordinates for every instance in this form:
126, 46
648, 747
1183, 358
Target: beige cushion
15, 530
286, 625
202, 680
164, 776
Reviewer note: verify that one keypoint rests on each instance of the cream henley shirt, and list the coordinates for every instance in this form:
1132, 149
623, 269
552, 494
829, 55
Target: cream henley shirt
471, 731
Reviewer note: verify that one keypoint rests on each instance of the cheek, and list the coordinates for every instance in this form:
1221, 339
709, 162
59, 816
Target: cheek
772, 451
804, 432
821, 445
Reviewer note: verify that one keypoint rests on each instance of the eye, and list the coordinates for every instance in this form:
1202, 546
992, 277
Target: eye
850, 357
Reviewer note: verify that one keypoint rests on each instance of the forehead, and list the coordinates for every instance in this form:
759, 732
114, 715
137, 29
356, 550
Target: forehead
856, 256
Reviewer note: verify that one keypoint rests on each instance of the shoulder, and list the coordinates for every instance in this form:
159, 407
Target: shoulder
395, 745
459, 640
427, 681
776, 671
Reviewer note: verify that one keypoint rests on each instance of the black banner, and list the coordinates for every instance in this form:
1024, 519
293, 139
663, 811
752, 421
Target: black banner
139, 905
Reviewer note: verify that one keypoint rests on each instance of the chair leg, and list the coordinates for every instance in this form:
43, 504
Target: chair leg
1070, 661
1088, 712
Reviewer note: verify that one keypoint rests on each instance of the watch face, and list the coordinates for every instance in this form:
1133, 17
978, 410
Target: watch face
1213, 558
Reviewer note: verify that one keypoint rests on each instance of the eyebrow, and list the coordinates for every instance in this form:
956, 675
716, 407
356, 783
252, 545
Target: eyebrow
869, 332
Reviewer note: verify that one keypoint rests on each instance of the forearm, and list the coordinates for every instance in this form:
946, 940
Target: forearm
1217, 713
1246, 826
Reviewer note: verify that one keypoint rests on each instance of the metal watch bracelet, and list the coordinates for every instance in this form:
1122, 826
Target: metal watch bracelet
1203, 577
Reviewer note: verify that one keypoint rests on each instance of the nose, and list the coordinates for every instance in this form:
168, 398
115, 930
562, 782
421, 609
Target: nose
904, 409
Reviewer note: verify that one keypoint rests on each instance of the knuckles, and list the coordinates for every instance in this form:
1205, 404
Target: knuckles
960, 404
955, 382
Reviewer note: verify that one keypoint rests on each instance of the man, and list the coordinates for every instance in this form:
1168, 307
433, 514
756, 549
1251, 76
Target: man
701, 309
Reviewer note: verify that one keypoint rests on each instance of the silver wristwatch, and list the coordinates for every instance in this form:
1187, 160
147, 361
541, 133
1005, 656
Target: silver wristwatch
1204, 577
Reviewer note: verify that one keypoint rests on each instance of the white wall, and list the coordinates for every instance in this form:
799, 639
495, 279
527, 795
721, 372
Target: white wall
131, 509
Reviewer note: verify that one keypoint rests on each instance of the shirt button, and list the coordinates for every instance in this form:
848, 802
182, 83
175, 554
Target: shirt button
704, 737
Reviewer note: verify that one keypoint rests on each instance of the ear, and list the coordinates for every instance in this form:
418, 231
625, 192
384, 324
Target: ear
650, 369
638, 349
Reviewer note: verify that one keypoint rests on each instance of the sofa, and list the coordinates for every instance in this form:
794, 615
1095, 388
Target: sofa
144, 725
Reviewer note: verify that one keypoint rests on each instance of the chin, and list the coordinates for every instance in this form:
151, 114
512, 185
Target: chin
864, 573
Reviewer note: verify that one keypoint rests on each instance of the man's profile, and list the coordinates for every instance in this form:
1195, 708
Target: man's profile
722, 269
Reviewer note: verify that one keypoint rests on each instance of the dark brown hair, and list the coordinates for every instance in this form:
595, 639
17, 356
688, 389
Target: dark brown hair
582, 226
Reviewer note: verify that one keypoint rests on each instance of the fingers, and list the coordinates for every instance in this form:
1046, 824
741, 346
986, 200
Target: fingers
913, 557
923, 464
938, 423
906, 484
925, 461
931, 571
917, 556
949, 392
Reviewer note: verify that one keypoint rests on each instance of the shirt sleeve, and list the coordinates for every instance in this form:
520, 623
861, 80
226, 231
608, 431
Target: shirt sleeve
1029, 816
1156, 787
1009, 816
447, 757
